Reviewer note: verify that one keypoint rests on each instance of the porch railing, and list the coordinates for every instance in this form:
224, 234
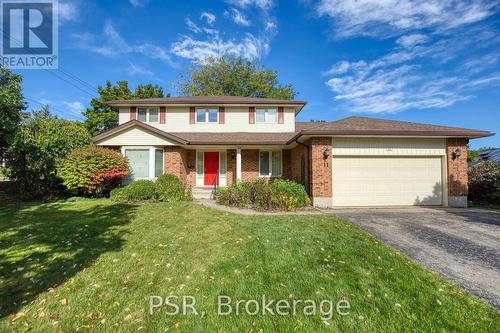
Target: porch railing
214, 185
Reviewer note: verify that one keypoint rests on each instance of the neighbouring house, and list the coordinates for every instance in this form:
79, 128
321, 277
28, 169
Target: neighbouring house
489, 155
216, 141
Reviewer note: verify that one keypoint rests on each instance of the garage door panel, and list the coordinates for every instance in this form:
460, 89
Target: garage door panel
374, 181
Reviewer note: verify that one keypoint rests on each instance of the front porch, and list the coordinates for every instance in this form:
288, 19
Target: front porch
206, 167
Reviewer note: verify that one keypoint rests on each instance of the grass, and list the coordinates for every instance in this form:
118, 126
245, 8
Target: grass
485, 206
91, 265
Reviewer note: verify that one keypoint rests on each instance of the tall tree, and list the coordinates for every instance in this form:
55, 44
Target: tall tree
100, 117
230, 76
12, 105
38, 114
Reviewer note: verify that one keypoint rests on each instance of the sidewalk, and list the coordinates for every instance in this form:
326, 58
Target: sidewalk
247, 211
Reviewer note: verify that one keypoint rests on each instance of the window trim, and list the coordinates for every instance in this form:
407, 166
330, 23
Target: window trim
148, 109
266, 115
207, 114
270, 166
152, 164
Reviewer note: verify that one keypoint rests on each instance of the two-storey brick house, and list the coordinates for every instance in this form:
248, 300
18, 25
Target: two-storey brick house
350, 162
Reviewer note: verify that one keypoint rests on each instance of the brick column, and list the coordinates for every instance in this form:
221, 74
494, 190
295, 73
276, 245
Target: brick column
249, 164
458, 178
321, 172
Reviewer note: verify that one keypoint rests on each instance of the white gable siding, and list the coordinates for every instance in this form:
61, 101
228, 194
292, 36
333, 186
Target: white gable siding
236, 120
135, 137
389, 146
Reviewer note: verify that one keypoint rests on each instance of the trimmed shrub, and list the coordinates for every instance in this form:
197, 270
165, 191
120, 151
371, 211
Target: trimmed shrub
484, 182
135, 191
93, 170
254, 194
288, 195
259, 195
35, 151
170, 188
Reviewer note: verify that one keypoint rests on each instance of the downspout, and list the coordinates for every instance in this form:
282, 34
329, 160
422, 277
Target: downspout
308, 189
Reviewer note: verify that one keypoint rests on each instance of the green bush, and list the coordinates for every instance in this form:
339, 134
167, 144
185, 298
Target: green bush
92, 170
484, 182
135, 191
36, 149
259, 195
170, 188
288, 195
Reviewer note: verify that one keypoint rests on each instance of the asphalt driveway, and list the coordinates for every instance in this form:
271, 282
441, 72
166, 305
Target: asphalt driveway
463, 245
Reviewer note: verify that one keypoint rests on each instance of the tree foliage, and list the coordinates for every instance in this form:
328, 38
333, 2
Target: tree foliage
100, 117
12, 105
92, 170
229, 76
484, 182
35, 150
38, 114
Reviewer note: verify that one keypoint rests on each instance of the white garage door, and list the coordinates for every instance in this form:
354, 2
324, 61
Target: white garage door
378, 181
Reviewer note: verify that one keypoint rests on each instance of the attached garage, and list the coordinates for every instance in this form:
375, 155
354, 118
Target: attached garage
386, 171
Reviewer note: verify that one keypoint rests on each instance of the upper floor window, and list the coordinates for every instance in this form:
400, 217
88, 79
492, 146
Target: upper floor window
266, 116
147, 115
207, 115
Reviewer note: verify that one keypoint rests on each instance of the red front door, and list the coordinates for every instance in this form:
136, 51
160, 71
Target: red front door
211, 167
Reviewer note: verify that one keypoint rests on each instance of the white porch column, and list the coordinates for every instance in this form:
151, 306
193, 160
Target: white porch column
238, 165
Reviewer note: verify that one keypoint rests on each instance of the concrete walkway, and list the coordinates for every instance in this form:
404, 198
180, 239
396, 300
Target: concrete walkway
246, 211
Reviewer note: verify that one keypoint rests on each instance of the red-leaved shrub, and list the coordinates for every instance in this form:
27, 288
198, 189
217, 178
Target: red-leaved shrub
92, 170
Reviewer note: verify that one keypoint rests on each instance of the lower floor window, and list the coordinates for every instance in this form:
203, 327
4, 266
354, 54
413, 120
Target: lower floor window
144, 162
270, 163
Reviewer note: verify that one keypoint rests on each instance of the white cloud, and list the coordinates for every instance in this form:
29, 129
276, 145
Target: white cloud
262, 4
75, 108
409, 41
238, 17
209, 41
135, 69
249, 47
67, 11
209, 17
138, 70
436, 74
138, 3
112, 44
386, 18
271, 26
192, 26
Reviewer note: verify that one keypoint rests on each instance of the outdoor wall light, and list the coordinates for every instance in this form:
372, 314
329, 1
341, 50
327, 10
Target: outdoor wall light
456, 154
326, 153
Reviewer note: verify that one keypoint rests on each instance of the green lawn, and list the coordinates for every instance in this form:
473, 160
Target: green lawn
92, 265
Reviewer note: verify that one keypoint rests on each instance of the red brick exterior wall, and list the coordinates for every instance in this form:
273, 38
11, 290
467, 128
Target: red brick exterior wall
321, 168
287, 163
175, 160
191, 168
181, 162
249, 164
299, 166
457, 168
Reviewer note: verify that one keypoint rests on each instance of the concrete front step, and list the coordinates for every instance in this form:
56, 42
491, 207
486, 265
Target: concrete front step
202, 192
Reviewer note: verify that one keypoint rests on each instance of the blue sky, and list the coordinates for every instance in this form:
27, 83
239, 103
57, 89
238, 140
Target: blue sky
434, 61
